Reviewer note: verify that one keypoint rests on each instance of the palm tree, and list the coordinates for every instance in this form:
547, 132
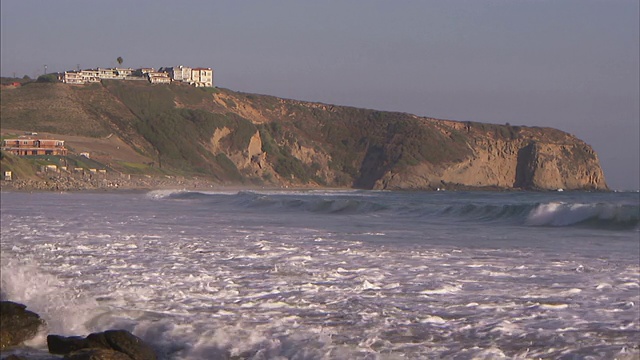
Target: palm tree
119, 60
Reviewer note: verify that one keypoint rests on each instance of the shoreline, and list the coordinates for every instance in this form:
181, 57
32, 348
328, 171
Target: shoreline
135, 184
145, 183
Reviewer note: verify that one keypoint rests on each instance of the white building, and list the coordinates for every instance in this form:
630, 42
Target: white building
123, 73
158, 77
106, 73
199, 77
178, 73
202, 77
144, 71
73, 77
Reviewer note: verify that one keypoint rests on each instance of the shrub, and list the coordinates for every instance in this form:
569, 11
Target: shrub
48, 78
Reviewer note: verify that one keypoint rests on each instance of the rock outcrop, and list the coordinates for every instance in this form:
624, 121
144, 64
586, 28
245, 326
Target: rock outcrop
506, 158
111, 344
17, 324
237, 138
506, 165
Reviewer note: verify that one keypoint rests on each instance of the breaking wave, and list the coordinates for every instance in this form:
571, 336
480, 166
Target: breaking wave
324, 202
553, 214
615, 216
488, 212
318, 205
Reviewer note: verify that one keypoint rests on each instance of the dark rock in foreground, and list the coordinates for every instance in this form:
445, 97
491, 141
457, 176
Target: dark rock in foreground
17, 324
97, 354
111, 344
64, 345
14, 357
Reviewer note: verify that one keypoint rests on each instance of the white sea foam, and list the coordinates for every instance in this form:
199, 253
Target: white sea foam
64, 311
366, 285
554, 306
199, 284
565, 214
446, 289
433, 320
161, 194
603, 286
571, 292
629, 285
559, 214
506, 327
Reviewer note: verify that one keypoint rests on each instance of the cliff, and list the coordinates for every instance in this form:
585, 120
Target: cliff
238, 138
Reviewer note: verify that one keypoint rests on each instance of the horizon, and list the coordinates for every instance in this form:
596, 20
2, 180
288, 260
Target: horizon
573, 66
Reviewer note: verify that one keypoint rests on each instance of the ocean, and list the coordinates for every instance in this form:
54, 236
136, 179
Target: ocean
331, 274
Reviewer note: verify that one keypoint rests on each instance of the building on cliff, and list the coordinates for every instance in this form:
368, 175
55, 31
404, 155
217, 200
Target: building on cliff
198, 77
202, 77
31, 146
95, 75
178, 73
157, 77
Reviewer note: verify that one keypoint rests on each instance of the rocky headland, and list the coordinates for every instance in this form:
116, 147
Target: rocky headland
159, 133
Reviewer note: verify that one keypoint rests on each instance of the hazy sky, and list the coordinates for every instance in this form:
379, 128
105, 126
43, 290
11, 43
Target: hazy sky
569, 64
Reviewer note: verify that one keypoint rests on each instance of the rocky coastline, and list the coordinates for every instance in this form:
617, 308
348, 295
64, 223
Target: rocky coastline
254, 139
140, 182
18, 325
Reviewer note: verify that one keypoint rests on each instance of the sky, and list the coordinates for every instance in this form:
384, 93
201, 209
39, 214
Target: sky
568, 64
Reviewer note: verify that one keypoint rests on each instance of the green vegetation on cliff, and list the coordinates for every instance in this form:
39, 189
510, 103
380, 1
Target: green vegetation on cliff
19, 167
235, 137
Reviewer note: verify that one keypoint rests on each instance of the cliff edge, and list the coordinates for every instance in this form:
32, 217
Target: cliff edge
249, 139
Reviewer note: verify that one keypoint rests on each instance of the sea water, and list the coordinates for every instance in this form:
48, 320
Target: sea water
331, 274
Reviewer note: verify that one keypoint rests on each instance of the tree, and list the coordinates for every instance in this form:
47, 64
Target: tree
48, 78
119, 60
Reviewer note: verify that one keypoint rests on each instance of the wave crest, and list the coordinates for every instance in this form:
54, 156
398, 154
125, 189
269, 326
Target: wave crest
611, 215
597, 215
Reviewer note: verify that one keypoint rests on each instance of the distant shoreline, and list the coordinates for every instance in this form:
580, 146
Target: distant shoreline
80, 185
137, 184
145, 183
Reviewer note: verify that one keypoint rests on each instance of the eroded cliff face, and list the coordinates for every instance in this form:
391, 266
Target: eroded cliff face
376, 150
519, 163
258, 139
559, 166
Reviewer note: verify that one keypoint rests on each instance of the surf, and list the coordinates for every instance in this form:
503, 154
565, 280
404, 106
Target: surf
598, 215
528, 209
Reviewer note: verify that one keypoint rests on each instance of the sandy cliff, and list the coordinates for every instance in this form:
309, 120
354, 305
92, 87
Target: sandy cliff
509, 164
233, 137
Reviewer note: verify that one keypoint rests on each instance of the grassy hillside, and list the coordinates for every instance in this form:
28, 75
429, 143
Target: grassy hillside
244, 138
21, 168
